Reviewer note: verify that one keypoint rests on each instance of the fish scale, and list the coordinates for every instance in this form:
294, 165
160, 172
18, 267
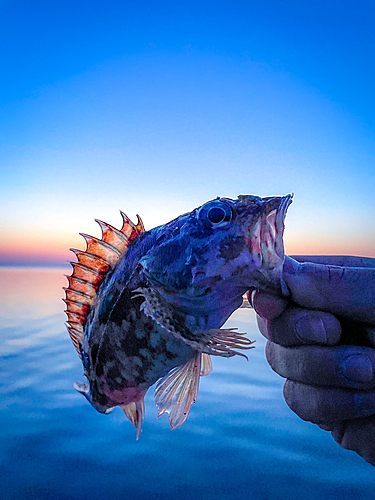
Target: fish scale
148, 306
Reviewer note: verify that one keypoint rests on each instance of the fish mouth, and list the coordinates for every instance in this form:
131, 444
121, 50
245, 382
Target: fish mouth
266, 234
279, 225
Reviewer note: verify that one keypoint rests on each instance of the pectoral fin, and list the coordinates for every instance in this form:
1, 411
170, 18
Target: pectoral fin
206, 365
219, 342
222, 342
167, 316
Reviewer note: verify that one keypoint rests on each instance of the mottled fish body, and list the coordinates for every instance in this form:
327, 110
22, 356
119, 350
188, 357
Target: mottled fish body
148, 306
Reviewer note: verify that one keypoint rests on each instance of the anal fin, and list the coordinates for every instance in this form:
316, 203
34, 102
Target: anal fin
135, 412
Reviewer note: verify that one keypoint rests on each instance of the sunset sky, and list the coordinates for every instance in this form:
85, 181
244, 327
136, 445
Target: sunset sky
156, 107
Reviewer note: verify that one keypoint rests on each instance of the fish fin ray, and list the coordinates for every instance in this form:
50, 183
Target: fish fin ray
90, 270
223, 341
140, 226
177, 391
167, 316
81, 285
113, 236
135, 412
218, 342
206, 364
129, 229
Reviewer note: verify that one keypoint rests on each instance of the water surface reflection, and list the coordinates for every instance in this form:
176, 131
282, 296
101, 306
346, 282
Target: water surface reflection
240, 440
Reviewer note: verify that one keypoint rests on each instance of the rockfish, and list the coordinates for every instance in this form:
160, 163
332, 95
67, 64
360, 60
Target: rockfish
148, 306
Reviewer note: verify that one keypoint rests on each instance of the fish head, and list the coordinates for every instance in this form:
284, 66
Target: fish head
215, 253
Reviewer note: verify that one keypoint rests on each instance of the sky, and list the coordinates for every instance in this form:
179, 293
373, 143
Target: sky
156, 107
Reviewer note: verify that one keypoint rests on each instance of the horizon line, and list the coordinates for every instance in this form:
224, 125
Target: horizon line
53, 264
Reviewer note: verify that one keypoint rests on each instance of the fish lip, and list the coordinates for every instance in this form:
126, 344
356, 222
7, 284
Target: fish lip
281, 209
286, 201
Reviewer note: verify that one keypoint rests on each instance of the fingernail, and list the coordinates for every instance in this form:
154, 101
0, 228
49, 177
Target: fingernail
250, 297
311, 330
357, 368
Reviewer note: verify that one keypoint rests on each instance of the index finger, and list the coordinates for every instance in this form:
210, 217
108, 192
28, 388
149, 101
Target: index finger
347, 292
267, 305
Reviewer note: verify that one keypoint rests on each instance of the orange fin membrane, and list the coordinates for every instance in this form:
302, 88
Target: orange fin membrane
135, 412
90, 270
177, 391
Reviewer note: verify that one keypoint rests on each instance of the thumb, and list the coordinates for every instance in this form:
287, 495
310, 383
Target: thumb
348, 292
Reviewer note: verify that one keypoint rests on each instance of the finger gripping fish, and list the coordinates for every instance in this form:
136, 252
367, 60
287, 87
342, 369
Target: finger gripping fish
148, 306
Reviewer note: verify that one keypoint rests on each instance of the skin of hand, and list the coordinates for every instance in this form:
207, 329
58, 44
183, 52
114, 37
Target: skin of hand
322, 340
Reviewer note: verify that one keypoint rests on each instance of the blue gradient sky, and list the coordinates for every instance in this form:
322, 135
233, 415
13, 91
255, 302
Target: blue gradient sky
156, 107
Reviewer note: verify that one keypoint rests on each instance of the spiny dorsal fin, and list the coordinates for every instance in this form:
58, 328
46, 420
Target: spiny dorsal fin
91, 268
130, 229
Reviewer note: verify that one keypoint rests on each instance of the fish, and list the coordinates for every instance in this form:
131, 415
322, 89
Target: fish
148, 307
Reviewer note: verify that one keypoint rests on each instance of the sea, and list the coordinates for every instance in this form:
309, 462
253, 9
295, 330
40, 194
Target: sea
240, 441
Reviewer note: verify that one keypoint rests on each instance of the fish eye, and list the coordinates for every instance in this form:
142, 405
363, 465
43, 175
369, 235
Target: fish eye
215, 213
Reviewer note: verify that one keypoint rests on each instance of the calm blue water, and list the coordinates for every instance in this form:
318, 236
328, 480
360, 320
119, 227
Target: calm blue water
240, 441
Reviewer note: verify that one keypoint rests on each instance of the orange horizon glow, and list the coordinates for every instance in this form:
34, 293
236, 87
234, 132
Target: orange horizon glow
57, 252
333, 246
35, 246
28, 293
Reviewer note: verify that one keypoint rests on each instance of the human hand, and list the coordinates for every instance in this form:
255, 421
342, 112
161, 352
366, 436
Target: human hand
322, 340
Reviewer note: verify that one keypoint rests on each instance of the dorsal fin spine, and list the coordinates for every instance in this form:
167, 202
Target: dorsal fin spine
90, 270
112, 235
101, 249
74, 317
92, 240
75, 326
84, 298
82, 256
139, 225
84, 272
80, 285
